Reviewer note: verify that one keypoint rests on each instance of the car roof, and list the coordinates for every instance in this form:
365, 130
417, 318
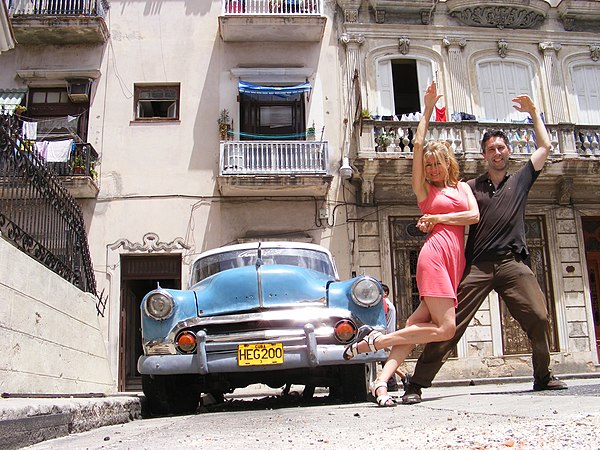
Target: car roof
264, 244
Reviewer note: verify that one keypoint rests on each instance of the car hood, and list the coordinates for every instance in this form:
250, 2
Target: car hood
252, 289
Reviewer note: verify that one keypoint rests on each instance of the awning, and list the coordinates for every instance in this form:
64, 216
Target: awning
11, 98
250, 88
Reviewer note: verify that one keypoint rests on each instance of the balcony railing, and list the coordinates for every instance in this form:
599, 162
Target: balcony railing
272, 7
464, 137
37, 214
59, 22
274, 158
58, 7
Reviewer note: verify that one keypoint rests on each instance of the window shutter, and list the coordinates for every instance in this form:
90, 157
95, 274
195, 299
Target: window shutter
586, 85
385, 88
499, 83
425, 76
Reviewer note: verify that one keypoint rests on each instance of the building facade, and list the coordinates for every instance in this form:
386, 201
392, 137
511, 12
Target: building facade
206, 123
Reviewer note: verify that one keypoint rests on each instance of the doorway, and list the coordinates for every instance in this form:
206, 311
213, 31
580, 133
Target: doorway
591, 237
139, 275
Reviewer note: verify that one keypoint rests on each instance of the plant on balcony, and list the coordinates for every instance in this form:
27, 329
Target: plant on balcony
310, 133
366, 114
77, 165
224, 122
384, 139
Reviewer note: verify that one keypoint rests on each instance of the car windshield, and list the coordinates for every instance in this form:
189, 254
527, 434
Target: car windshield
310, 259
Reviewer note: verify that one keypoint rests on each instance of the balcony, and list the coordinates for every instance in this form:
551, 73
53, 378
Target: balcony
78, 174
570, 174
272, 20
274, 168
59, 22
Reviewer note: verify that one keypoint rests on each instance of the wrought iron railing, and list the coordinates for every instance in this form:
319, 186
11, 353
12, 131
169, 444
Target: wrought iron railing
272, 7
58, 7
37, 214
274, 158
464, 137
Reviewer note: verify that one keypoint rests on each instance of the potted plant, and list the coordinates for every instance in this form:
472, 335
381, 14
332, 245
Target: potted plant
384, 139
310, 133
78, 165
224, 122
365, 113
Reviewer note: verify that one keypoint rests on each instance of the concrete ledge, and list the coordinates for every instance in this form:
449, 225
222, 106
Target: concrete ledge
26, 421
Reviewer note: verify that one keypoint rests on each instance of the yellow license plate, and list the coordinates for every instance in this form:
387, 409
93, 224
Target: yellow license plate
260, 354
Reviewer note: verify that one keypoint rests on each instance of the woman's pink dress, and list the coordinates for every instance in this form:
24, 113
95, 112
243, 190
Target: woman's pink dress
442, 259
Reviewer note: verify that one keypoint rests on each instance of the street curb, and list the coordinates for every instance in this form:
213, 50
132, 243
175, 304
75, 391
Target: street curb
27, 421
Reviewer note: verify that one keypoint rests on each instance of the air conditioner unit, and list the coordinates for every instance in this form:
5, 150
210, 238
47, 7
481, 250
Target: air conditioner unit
78, 89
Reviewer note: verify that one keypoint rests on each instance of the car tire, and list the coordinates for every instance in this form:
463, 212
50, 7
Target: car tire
354, 382
170, 394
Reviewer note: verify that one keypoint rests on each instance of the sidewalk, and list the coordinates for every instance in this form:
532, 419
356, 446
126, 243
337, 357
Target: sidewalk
26, 421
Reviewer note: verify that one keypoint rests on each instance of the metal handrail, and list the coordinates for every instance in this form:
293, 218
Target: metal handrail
58, 7
37, 213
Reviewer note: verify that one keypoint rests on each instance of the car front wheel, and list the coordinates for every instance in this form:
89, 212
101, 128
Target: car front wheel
170, 394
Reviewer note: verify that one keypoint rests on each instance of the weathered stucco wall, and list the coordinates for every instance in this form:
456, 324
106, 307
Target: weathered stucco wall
51, 337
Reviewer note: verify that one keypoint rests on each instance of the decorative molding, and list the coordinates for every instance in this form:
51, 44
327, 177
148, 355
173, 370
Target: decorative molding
580, 11
595, 52
404, 44
379, 15
350, 9
150, 243
550, 47
454, 42
349, 39
566, 190
499, 13
502, 48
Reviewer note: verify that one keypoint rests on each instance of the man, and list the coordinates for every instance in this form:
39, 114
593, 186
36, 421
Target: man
495, 250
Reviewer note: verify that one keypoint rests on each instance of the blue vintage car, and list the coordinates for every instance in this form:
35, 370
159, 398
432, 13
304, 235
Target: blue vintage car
263, 312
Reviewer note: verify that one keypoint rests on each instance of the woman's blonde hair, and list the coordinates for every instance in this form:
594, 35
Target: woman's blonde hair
443, 155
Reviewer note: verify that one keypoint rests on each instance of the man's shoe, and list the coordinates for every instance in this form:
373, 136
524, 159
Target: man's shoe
553, 384
412, 395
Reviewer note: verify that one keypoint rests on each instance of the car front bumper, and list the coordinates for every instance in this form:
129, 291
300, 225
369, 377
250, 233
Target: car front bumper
308, 354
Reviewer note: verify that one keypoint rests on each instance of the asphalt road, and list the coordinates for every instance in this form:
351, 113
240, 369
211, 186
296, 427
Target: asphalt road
500, 416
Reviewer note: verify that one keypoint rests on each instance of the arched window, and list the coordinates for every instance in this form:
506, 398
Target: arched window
401, 85
586, 86
499, 82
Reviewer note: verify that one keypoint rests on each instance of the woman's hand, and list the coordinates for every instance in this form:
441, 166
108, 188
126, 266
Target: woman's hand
427, 222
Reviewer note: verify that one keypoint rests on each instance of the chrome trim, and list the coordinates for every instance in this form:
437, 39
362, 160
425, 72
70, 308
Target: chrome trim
167, 295
360, 303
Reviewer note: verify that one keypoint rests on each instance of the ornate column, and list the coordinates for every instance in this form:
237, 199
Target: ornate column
459, 81
353, 88
555, 83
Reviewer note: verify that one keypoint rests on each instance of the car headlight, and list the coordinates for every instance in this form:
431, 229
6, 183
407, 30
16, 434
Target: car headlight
366, 292
159, 305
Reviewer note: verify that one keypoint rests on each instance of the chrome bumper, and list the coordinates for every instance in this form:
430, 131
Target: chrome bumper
308, 355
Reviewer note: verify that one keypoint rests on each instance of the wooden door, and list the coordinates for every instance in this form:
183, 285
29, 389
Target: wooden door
593, 264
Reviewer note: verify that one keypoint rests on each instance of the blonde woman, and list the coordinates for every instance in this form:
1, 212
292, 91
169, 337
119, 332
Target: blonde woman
447, 205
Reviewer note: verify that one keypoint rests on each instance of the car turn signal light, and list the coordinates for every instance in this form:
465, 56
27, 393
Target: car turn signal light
186, 342
345, 331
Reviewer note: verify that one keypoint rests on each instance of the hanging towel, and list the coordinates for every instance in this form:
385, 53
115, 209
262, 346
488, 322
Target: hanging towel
41, 148
30, 130
440, 114
59, 151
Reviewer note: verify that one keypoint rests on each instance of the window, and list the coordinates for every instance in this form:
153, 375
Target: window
264, 116
156, 102
586, 86
401, 84
56, 115
499, 82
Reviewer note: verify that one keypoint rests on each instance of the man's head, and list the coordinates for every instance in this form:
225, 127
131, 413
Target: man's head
386, 290
495, 149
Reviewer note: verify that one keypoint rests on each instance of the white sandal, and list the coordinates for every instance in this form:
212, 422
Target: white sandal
381, 400
367, 334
